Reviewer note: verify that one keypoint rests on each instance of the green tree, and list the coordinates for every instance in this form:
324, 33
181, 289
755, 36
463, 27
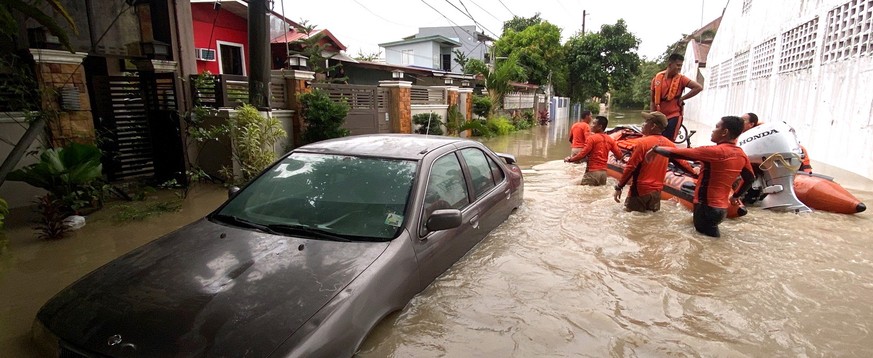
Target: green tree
314, 50
602, 61
475, 66
33, 10
518, 24
368, 57
637, 95
537, 48
498, 81
462, 59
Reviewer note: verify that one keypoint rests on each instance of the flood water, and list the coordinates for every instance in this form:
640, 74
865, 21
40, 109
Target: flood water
569, 274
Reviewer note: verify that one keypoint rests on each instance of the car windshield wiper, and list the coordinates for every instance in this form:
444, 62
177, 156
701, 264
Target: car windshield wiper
230, 219
316, 232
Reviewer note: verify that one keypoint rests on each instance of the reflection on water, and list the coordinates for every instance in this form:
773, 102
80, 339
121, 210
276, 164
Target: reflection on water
572, 274
569, 274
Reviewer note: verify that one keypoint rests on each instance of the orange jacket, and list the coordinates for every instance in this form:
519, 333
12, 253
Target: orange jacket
721, 165
665, 94
578, 134
598, 146
648, 177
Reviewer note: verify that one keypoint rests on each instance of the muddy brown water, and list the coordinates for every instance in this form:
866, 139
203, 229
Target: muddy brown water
570, 274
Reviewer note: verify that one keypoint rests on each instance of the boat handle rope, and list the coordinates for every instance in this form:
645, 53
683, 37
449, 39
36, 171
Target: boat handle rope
778, 158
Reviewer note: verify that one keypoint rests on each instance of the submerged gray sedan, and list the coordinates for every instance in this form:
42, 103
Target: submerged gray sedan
302, 262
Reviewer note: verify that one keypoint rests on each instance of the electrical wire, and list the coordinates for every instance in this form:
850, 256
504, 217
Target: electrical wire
379, 16
471, 17
507, 8
486, 11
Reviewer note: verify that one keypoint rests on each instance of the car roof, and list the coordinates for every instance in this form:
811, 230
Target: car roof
400, 146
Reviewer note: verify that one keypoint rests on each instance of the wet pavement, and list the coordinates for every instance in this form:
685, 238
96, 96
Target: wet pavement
570, 274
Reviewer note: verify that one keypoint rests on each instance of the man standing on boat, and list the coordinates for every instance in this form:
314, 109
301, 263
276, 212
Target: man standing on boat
721, 164
666, 94
648, 177
597, 148
579, 132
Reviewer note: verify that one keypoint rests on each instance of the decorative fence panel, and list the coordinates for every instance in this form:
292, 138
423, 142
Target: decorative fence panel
427, 95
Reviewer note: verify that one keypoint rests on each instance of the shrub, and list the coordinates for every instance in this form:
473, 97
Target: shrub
482, 106
592, 106
500, 125
454, 120
254, 137
324, 118
428, 123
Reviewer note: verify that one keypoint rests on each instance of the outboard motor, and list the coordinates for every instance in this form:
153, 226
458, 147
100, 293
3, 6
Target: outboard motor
772, 147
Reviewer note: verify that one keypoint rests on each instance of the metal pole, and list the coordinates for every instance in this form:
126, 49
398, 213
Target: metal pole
259, 55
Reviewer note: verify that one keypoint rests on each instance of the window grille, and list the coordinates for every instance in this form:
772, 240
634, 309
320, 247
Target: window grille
762, 59
849, 31
741, 67
798, 47
713, 74
724, 76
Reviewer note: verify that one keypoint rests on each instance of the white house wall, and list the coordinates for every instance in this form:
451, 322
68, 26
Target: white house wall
690, 69
423, 54
799, 77
470, 46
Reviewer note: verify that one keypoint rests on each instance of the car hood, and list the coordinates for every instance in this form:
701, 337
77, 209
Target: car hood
206, 289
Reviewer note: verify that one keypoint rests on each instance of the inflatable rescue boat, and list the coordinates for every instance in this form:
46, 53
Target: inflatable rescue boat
775, 155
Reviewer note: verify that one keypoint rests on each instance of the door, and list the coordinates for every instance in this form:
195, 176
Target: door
446, 189
490, 188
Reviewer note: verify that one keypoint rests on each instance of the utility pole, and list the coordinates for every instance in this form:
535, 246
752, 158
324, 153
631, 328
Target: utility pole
259, 55
584, 15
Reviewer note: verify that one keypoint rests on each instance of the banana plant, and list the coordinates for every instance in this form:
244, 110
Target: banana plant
63, 171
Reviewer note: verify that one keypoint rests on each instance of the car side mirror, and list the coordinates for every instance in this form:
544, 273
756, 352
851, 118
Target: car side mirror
507, 158
231, 192
443, 219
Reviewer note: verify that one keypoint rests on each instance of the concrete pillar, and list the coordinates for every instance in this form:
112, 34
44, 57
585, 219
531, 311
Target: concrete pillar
399, 105
465, 105
60, 73
296, 83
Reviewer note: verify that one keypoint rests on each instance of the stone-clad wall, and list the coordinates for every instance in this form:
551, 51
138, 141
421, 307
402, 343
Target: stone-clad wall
55, 71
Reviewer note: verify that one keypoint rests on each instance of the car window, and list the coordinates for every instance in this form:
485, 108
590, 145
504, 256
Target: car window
363, 198
481, 170
445, 185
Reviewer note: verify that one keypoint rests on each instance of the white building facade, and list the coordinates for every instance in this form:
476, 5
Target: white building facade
808, 63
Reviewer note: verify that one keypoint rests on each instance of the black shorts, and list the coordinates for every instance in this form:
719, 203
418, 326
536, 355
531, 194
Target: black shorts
707, 218
672, 129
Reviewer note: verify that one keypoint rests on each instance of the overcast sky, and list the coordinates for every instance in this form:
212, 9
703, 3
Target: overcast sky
363, 24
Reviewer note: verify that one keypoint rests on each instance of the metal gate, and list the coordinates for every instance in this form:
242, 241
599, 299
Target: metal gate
367, 113
138, 126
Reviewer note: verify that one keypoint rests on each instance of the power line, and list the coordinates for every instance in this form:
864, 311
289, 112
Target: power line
474, 20
507, 8
471, 18
447, 18
379, 16
486, 11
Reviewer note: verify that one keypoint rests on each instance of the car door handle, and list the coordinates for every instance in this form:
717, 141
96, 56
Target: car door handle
474, 221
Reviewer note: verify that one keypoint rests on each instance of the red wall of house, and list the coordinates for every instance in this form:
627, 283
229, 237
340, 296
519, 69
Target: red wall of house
228, 27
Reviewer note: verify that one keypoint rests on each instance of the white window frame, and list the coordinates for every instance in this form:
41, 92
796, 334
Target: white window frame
242, 54
407, 57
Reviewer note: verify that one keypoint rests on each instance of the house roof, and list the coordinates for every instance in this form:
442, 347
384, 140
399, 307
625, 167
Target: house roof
701, 51
435, 38
293, 35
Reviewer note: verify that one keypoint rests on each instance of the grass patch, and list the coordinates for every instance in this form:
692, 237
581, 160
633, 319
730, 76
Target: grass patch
136, 211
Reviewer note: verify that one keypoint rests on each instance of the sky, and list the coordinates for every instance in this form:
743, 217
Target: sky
363, 24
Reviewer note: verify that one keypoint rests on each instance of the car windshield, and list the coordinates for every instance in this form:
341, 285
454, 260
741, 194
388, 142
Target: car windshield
327, 197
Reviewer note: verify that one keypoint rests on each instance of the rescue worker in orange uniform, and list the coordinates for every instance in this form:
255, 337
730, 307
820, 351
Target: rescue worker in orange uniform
579, 132
666, 94
648, 177
597, 148
721, 164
